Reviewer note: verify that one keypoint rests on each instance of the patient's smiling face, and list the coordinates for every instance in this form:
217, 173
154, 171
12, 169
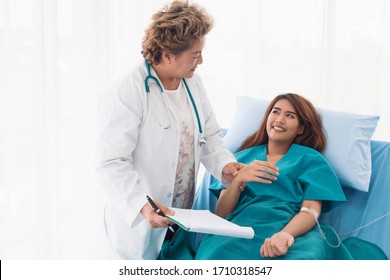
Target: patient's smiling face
283, 123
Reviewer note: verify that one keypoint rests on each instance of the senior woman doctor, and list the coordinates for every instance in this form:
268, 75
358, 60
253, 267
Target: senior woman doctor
157, 126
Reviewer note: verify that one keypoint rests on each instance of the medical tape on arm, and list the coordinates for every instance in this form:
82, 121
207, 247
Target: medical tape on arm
315, 214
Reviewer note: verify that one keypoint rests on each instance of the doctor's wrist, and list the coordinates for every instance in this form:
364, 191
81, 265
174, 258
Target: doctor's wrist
146, 210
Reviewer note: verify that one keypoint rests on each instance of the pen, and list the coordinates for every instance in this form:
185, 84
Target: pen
157, 210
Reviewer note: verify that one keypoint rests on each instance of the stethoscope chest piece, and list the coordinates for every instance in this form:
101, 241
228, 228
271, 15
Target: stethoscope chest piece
202, 140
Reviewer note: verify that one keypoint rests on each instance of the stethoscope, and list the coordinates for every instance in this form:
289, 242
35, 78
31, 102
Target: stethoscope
202, 139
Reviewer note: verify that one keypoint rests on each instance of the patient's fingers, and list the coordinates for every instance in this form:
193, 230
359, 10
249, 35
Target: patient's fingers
276, 250
265, 167
260, 171
263, 177
266, 253
267, 249
271, 251
262, 251
266, 171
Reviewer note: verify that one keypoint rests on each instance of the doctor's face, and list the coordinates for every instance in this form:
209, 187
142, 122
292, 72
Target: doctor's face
283, 123
185, 64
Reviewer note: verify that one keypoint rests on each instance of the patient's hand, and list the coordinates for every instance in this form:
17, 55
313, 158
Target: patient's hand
277, 245
257, 171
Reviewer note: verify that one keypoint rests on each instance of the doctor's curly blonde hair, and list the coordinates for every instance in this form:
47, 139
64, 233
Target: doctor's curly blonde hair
174, 29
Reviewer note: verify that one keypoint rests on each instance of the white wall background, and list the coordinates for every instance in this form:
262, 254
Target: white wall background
57, 56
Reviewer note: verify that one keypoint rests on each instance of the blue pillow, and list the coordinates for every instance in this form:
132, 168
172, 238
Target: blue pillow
348, 149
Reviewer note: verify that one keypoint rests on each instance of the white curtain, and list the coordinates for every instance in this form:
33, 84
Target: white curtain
58, 56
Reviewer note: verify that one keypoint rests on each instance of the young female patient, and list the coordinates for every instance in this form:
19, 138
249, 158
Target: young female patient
279, 193
290, 139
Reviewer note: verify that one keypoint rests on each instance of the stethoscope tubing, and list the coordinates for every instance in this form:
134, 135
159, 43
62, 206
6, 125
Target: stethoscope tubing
202, 139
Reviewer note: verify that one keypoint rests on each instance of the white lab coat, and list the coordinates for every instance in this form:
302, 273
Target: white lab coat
137, 157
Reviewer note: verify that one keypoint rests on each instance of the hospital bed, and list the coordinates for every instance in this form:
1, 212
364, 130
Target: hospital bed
365, 215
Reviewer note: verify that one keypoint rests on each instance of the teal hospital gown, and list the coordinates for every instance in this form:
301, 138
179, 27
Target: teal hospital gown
304, 174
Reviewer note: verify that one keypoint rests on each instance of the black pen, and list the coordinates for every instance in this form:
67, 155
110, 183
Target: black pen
157, 210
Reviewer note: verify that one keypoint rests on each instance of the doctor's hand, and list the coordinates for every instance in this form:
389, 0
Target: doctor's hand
154, 219
231, 169
277, 245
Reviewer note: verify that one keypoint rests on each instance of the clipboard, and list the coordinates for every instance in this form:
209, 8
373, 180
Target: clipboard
204, 221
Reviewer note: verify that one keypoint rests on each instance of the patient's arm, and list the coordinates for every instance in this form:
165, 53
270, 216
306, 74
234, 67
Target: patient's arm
301, 223
257, 171
228, 198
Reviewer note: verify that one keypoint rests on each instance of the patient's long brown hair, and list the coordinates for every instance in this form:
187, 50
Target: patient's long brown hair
309, 117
